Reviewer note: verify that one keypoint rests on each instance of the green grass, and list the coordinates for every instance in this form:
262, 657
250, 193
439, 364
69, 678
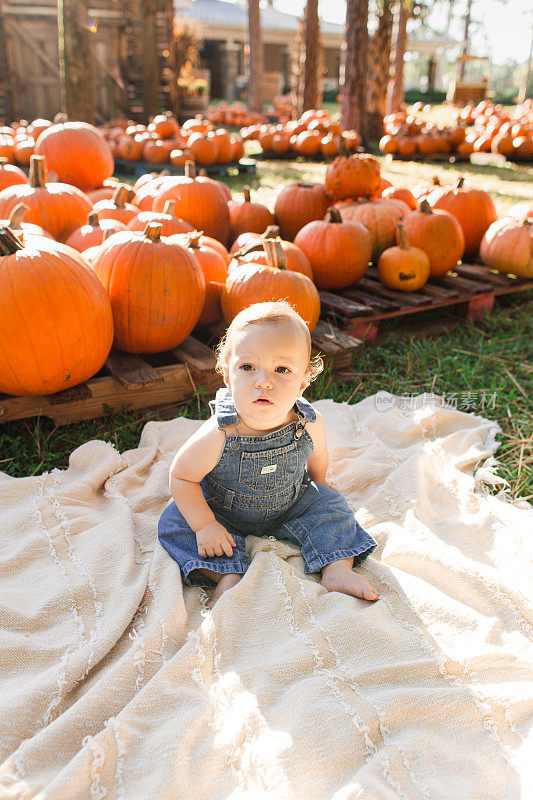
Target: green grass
492, 357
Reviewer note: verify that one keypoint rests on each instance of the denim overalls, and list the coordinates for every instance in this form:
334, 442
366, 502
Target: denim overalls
260, 487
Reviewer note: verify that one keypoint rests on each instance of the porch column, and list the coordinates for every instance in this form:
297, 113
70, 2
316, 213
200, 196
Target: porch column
229, 65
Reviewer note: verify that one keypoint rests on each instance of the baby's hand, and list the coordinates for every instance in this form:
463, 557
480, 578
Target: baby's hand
214, 540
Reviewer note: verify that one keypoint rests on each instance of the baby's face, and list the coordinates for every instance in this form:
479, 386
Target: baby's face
266, 372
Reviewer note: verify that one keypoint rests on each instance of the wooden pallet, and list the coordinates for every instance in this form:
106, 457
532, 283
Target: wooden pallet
434, 158
134, 382
138, 168
358, 309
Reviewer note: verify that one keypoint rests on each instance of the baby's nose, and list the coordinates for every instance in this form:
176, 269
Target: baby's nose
263, 379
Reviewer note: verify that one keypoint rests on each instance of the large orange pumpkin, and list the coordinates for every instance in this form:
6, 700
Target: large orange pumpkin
256, 283
339, 252
198, 201
78, 153
300, 203
350, 177
56, 325
156, 288
508, 247
473, 209
380, 216
56, 207
438, 234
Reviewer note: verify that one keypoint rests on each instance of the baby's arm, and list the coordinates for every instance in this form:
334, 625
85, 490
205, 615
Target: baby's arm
317, 462
198, 456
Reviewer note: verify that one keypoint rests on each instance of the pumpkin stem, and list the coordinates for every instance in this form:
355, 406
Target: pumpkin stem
122, 195
425, 207
93, 220
190, 169
9, 243
334, 214
343, 149
37, 173
246, 193
193, 239
15, 218
60, 119
403, 241
107, 233
436, 181
459, 184
153, 231
170, 208
275, 254
272, 232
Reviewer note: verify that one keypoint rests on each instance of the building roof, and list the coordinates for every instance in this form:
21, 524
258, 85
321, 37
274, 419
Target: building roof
220, 12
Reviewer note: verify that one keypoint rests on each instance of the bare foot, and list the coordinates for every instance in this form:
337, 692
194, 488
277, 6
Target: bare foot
226, 582
340, 578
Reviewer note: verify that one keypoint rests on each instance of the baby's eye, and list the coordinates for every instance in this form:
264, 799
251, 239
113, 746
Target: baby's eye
282, 369
246, 367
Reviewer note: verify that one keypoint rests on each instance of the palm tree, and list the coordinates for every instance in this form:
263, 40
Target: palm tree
255, 86
353, 113
379, 68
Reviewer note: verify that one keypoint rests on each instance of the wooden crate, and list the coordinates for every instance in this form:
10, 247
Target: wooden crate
134, 382
358, 309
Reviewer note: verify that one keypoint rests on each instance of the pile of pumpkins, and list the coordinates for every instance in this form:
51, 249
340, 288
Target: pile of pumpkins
498, 131
315, 133
84, 265
407, 136
238, 115
160, 142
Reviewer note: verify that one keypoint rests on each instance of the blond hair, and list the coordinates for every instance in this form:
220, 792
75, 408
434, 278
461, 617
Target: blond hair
269, 313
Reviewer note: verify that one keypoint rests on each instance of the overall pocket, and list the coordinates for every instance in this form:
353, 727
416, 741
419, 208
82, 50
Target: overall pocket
269, 470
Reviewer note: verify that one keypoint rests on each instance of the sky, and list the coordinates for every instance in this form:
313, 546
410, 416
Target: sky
504, 30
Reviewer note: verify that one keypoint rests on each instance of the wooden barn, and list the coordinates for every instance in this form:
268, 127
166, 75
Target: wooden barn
129, 40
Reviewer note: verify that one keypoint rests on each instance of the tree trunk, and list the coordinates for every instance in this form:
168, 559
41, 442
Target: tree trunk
75, 60
255, 87
353, 114
151, 71
462, 68
173, 92
312, 46
395, 95
378, 76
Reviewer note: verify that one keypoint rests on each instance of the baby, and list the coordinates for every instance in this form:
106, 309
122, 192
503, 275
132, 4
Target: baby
258, 466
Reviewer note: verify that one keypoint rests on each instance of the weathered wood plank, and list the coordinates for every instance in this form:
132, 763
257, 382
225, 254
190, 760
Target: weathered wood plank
472, 271
131, 370
343, 305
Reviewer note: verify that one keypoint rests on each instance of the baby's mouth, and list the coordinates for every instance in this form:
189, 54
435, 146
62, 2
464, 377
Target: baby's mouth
262, 401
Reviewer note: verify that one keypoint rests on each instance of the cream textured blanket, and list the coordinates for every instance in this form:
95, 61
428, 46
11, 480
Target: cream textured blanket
117, 683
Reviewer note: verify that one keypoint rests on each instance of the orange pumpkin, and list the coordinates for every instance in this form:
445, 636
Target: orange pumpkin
198, 201
57, 207
473, 209
438, 234
300, 203
353, 176
78, 153
507, 246
256, 283
255, 252
339, 252
118, 207
93, 232
56, 325
170, 224
156, 289
248, 217
215, 270
10, 175
204, 148
403, 267
380, 216
401, 193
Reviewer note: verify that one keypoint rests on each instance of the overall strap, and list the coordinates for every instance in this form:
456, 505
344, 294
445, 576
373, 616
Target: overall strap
223, 408
304, 409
